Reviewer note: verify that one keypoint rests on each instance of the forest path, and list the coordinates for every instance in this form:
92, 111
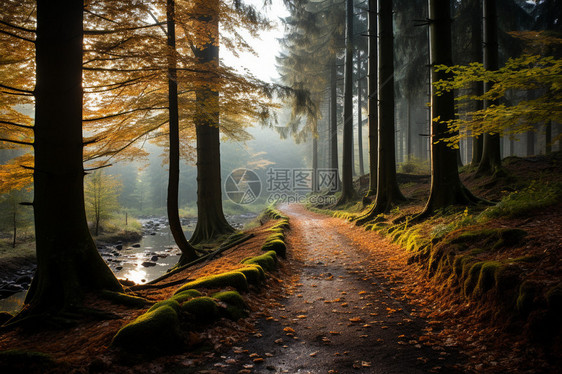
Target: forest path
341, 312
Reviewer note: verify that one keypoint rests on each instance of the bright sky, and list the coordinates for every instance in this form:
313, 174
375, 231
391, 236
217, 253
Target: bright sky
267, 47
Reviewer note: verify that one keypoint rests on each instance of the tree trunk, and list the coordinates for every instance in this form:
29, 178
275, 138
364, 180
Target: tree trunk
334, 121
530, 143
491, 154
314, 161
187, 251
68, 263
388, 192
348, 193
476, 56
211, 222
360, 123
446, 187
408, 130
372, 105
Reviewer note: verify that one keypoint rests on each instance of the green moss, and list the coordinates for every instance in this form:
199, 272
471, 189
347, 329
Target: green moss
281, 225
153, 332
235, 304
202, 309
254, 274
186, 295
229, 279
124, 299
276, 234
268, 261
525, 300
20, 361
174, 304
507, 280
277, 246
487, 278
472, 279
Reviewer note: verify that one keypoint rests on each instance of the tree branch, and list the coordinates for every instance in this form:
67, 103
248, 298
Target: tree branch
17, 27
17, 36
123, 113
16, 142
16, 89
97, 168
106, 32
16, 125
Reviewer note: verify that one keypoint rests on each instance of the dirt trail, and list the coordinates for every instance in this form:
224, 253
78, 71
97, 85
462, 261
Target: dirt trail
339, 314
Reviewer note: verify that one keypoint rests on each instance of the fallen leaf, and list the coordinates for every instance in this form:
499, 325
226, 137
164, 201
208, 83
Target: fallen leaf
356, 319
288, 329
313, 354
301, 316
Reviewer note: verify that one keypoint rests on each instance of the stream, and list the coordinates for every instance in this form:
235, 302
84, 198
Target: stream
139, 262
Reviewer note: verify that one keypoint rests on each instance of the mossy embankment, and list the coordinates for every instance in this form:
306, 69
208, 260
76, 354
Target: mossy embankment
503, 259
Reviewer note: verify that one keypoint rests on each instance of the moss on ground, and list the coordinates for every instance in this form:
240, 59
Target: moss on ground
254, 274
268, 261
201, 309
22, 361
153, 332
235, 305
487, 278
275, 245
186, 295
229, 279
124, 299
174, 304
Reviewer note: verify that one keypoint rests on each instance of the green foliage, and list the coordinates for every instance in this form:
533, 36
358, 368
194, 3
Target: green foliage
414, 165
101, 197
537, 195
156, 331
542, 74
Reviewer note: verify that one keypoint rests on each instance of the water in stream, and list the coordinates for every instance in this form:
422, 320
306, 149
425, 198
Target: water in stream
139, 262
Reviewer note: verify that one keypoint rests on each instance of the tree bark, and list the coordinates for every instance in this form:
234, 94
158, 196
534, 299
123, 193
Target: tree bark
476, 56
187, 251
68, 263
348, 193
360, 122
446, 187
334, 120
491, 155
372, 104
388, 192
548, 137
211, 222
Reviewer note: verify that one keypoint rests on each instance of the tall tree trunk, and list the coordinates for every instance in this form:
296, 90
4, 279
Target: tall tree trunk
314, 161
211, 222
388, 192
408, 129
334, 121
476, 55
187, 251
372, 105
491, 154
360, 123
68, 263
348, 193
530, 140
446, 187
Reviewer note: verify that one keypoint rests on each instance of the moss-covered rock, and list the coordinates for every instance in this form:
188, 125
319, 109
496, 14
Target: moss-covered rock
491, 238
186, 295
20, 361
124, 299
201, 309
268, 261
472, 279
235, 305
282, 225
174, 304
153, 332
487, 277
229, 279
254, 274
277, 246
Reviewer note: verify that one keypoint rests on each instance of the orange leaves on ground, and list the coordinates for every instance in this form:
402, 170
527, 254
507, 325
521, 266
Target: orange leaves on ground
356, 319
